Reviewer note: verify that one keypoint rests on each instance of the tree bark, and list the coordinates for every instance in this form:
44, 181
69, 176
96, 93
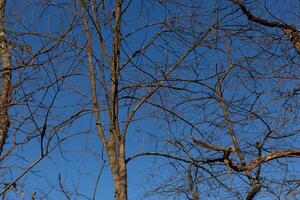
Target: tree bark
115, 143
5, 96
119, 171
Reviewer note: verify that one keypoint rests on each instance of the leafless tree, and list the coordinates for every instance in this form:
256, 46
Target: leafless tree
206, 92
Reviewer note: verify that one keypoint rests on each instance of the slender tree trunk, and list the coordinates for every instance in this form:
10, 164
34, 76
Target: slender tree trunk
6, 79
123, 172
115, 143
118, 164
119, 172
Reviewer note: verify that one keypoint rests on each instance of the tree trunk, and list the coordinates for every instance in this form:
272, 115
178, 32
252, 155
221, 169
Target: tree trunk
119, 171
115, 143
6, 79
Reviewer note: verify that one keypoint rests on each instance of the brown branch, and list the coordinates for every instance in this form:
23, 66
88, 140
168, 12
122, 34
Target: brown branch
289, 30
92, 75
247, 167
208, 146
114, 74
192, 184
272, 156
166, 155
226, 112
260, 160
254, 190
8, 152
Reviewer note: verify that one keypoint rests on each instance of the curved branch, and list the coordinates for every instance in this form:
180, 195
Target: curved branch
253, 164
208, 146
166, 155
262, 159
289, 30
272, 156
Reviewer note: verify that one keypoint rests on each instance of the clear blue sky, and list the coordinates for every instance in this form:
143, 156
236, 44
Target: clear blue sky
78, 160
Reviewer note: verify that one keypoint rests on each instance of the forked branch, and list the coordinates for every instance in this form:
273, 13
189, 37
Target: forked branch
289, 30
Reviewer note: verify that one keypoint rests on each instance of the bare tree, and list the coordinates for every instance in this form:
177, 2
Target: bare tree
206, 92
112, 70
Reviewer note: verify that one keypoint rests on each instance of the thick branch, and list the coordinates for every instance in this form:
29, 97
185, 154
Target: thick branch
289, 30
208, 146
92, 74
253, 164
272, 156
114, 74
262, 159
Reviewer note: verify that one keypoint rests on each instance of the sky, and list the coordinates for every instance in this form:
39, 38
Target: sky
78, 161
